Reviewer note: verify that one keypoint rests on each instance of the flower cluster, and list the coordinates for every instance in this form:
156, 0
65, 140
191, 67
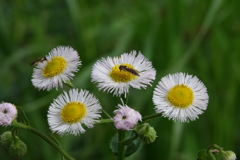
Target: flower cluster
180, 97
177, 96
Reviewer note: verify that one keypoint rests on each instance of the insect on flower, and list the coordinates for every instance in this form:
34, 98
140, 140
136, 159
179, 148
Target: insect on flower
41, 59
129, 70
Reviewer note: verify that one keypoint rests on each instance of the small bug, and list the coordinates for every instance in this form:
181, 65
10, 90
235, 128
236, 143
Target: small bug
41, 59
214, 151
129, 70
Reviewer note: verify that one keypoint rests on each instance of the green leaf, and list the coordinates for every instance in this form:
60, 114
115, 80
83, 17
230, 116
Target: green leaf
131, 148
23, 116
114, 144
202, 155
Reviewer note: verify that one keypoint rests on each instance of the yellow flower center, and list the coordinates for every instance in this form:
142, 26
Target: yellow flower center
118, 75
73, 112
54, 67
180, 96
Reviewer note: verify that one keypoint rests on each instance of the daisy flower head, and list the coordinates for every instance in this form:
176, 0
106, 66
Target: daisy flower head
180, 97
126, 118
57, 67
70, 111
8, 112
117, 74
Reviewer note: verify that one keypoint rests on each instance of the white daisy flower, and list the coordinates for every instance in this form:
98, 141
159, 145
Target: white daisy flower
57, 67
8, 113
180, 97
71, 111
119, 73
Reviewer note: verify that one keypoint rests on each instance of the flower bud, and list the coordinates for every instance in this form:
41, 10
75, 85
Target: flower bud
146, 133
126, 118
228, 155
6, 139
8, 112
18, 148
15, 146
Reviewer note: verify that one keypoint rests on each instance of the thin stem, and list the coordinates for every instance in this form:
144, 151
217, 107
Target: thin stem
44, 137
151, 116
106, 114
121, 147
56, 141
129, 140
104, 121
211, 155
23, 116
14, 134
209, 152
69, 84
214, 146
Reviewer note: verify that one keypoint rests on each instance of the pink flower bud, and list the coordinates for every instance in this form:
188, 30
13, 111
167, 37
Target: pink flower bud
8, 113
126, 118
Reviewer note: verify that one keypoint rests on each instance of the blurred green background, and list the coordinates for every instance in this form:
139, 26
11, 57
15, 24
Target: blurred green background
200, 37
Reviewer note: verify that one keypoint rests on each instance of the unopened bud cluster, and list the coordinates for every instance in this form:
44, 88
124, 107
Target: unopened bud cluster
16, 147
146, 133
228, 155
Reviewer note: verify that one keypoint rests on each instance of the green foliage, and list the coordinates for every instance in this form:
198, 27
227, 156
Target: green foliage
131, 148
198, 37
202, 155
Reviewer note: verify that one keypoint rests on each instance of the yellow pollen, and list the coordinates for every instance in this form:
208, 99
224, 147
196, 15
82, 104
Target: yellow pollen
118, 75
54, 67
180, 96
73, 112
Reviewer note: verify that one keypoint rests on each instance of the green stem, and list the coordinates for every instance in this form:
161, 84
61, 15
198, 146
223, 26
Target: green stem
104, 121
121, 147
209, 152
69, 84
14, 134
51, 142
56, 141
23, 115
106, 114
151, 116
214, 146
211, 155
129, 140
